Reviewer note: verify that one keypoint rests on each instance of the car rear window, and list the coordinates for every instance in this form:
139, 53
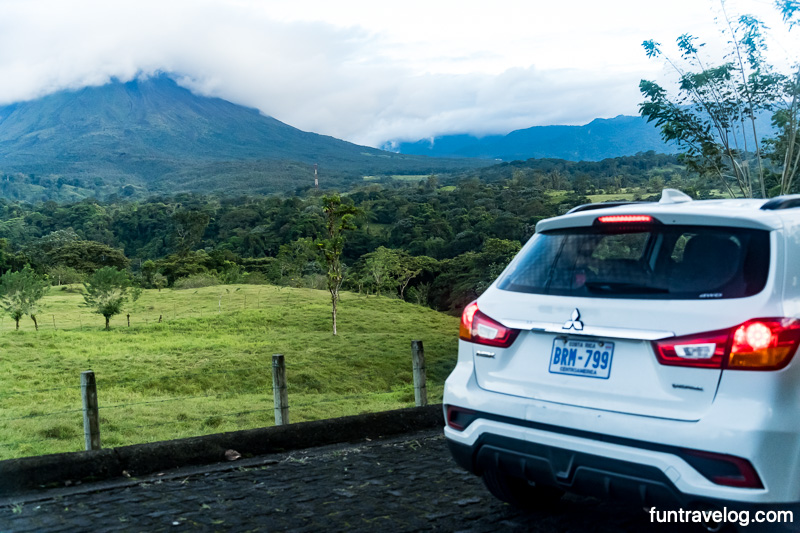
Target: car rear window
643, 261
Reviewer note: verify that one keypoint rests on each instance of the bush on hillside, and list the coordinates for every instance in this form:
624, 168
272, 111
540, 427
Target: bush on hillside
195, 281
255, 278
64, 275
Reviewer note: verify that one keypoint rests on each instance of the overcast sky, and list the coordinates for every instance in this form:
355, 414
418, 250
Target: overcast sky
366, 71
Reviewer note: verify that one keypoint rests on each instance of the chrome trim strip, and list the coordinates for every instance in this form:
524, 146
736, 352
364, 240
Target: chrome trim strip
589, 331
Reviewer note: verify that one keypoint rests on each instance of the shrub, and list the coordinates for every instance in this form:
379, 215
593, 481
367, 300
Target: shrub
255, 278
64, 275
195, 281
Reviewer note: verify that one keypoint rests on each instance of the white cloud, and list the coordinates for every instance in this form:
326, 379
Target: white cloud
359, 70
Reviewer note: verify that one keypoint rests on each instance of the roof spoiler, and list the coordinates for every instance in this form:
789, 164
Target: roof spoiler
668, 196
603, 205
782, 202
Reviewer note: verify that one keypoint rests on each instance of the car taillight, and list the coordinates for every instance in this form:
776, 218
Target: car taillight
478, 328
706, 350
758, 344
764, 344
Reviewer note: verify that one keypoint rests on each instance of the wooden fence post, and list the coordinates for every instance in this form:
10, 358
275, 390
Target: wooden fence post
279, 390
91, 417
418, 365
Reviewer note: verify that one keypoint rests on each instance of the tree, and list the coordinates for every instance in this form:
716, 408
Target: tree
393, 269
383, 267
177, 266
159, 281
107, 291
465, 277
21, 292
148, 270
411, 267
9, 260
784, 149
713, 117
295, 260
86, 256
38, 250
338, 220
64, 275
187, 229
789, 9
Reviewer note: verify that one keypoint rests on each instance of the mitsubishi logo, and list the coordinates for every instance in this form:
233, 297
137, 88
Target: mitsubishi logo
575, 323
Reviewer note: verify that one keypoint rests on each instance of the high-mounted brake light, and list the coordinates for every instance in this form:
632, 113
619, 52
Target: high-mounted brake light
758, 344
478, 328
625, 219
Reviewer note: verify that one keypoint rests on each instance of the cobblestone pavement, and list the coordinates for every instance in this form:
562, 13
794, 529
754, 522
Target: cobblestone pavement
407, 483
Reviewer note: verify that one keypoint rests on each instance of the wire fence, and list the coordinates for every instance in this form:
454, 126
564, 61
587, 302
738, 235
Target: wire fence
88, 321
140, 381
65, 310
108, 412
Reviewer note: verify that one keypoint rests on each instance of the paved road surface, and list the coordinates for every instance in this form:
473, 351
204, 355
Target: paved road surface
406, 483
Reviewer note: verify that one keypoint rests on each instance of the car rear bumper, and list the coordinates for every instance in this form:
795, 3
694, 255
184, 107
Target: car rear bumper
604, 477
571, 471
600, 453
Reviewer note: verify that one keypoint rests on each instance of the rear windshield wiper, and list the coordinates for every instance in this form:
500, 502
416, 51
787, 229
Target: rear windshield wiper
624, 287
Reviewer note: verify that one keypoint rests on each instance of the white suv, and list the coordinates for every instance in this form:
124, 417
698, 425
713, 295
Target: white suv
643, 351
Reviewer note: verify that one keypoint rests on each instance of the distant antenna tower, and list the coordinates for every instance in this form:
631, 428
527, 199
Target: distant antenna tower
316, 177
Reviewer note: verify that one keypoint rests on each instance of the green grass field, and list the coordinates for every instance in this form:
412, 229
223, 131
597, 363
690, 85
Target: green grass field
206, 367
622, 197
400, 177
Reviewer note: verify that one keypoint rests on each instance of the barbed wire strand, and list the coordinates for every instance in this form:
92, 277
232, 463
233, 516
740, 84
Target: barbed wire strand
344, 398
189, 374
114, 406
229, 393
106, 382
32, 441
37, 391
176, 398
42, 414
239, 413
212, 395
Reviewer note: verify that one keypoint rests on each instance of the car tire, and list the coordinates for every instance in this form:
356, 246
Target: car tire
519, 492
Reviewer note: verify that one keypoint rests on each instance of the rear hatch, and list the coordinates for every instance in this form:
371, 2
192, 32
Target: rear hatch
591, 300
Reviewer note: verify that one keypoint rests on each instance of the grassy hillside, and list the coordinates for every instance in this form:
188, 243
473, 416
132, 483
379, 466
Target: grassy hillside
206, 367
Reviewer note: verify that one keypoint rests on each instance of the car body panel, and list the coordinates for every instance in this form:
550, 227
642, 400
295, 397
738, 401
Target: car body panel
644, 407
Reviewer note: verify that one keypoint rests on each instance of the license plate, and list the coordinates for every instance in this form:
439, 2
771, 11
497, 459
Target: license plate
590, 359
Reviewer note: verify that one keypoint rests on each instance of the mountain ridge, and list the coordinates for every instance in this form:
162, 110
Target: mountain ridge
600, 139
151, 135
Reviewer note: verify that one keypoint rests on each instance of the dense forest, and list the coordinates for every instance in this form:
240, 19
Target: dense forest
437, 241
